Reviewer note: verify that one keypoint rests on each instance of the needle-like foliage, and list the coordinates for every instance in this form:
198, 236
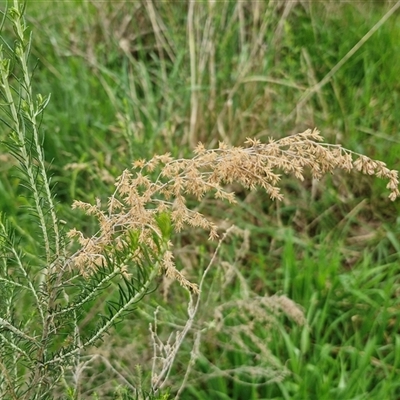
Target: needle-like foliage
45, 297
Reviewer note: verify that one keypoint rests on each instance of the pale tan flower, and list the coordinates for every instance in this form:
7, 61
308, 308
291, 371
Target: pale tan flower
138, 200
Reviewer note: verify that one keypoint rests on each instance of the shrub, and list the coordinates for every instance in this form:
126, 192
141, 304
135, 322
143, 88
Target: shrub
48, 287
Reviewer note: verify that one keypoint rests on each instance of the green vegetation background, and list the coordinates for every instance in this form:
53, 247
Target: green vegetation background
130, 79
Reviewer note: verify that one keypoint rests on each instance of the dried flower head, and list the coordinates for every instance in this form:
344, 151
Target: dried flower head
138, 201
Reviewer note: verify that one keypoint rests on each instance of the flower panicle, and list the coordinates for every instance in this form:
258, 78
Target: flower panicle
139, 200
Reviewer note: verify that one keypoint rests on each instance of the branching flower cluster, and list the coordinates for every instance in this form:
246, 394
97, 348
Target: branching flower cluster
139, 202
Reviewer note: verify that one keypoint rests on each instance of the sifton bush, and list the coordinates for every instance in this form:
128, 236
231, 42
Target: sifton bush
45, 295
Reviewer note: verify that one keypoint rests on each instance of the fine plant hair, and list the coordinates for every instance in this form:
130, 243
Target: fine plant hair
48, 289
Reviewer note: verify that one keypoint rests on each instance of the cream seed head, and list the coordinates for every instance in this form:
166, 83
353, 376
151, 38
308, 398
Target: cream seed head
138, 200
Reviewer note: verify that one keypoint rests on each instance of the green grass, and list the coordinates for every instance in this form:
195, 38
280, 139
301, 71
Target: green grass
350, 347
332, 247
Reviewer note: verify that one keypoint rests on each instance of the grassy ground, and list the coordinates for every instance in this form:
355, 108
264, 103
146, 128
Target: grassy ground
130, 79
